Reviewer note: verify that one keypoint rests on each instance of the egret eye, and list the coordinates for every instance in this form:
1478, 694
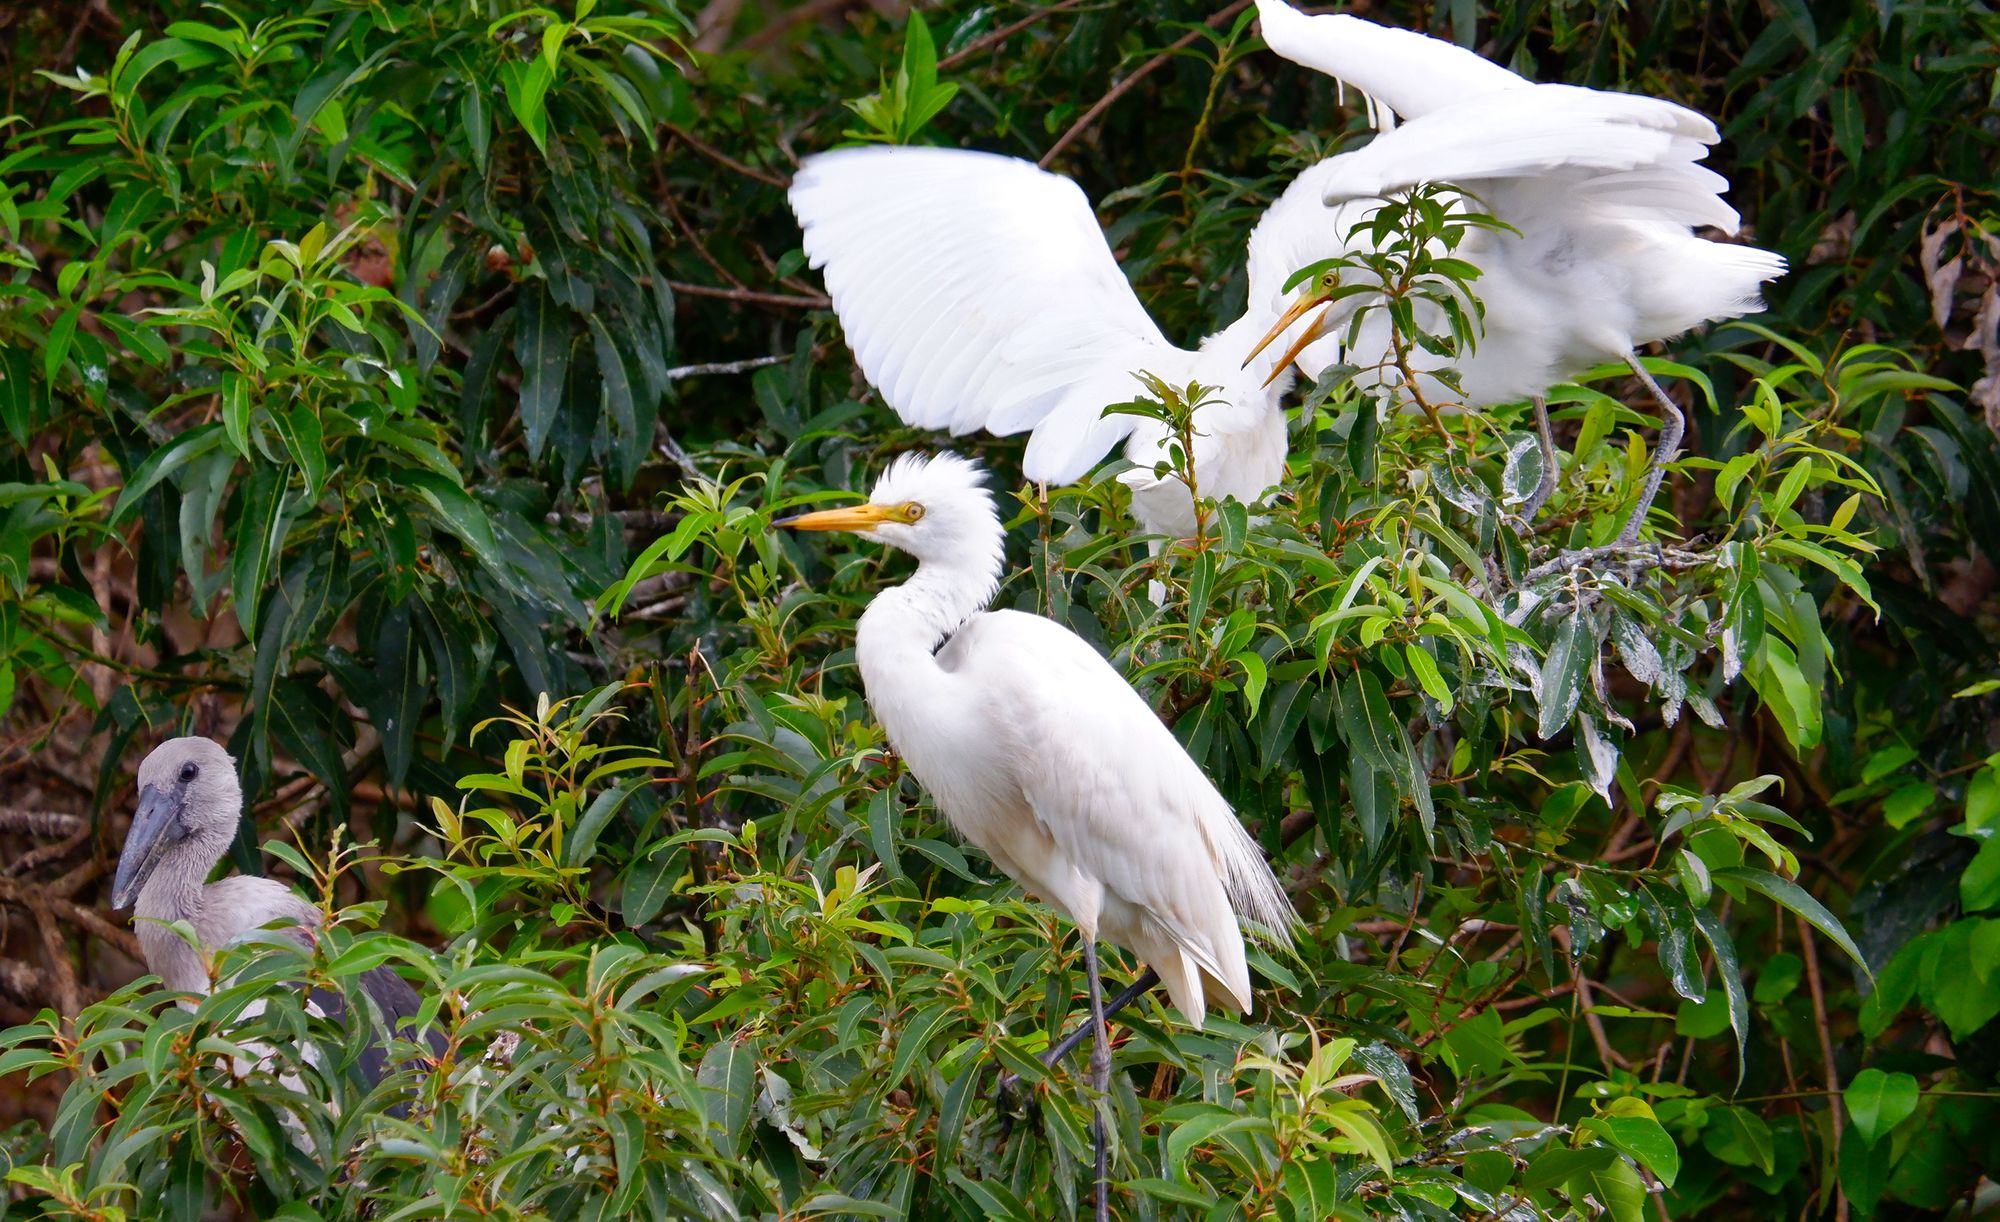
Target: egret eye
912, 512
190, 771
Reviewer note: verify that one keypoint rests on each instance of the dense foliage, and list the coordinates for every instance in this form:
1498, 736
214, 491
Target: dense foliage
402, 393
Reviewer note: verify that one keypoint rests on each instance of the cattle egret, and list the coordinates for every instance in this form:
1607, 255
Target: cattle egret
1601, 192
189, 804
1041, 754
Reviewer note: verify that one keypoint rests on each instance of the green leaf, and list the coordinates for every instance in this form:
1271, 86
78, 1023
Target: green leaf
1878, 1102
542, 345
649, 881
1559, 1163
256, 540
164, 462
1893, 988
1617, 1190
1790, 895
1982, 800
1778, 978
1366, 723
1979, 886
1774, 672
459, 513
1907, 803
1730, 972
527, 88
1563, 669
236, 411
1740, 1138
1644, 1139
1425, 668
727, 1078
1203, 1127
915, 1041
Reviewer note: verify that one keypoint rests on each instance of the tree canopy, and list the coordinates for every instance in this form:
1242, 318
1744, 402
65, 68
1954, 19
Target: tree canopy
402, 393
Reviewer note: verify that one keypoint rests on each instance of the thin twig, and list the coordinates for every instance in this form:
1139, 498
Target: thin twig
816, 301
68, 997
42, 854
1634, 557
49, 899
1001, 35
694, 239
1123, 87
724, 159
812, 10
1810, 953
745, 366
47, 824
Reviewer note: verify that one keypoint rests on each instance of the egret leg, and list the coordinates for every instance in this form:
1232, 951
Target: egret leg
1671, 429
1547, 488
1100, 1079
1067, 1044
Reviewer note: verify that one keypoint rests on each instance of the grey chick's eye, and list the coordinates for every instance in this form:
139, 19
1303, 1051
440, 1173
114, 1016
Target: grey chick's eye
190, 771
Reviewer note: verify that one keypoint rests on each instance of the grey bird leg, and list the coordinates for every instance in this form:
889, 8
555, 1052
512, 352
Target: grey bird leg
1547, 488
1100, 1079
1067, 1044
1670, 444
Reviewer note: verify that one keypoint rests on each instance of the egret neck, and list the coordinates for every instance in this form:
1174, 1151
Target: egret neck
900, 632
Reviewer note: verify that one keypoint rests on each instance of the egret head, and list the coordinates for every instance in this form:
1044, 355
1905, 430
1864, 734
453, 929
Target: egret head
188, 796
936, 508
1322, 290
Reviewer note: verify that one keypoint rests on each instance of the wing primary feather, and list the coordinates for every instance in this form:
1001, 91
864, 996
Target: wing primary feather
977, 291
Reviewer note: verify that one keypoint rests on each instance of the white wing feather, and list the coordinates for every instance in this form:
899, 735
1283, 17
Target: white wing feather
977, 292
1615, 152
1124, 804
1604, 189
1410, 73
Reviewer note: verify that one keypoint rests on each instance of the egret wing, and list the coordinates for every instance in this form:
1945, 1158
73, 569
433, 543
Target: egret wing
978, 292
1119, 795
1410, 73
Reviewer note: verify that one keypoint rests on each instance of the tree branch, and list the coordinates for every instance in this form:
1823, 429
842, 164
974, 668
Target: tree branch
817, 301
47, 824
1002, 34
1123, 87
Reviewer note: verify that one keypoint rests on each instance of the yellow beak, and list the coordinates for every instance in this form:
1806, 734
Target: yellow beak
1313, 333
848, 517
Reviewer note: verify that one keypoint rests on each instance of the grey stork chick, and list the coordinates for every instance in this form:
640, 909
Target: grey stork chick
190, 802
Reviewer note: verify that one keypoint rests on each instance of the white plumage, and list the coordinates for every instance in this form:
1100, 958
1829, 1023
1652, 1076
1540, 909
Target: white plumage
977, 291
1602, 191
1041, 754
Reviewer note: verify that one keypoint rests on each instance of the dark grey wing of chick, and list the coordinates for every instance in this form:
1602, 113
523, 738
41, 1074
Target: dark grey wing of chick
394, 1000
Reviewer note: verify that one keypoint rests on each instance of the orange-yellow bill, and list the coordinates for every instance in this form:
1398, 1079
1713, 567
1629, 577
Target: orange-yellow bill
847, 517
1298, 310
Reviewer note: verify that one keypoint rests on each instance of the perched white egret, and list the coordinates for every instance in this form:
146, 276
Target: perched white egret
1041, 754
1601, 189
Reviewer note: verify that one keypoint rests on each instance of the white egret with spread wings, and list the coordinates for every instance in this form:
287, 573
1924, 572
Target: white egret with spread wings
978, 292
1600, 192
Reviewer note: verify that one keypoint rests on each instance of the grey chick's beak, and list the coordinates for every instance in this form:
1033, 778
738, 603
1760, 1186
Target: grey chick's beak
156, 828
